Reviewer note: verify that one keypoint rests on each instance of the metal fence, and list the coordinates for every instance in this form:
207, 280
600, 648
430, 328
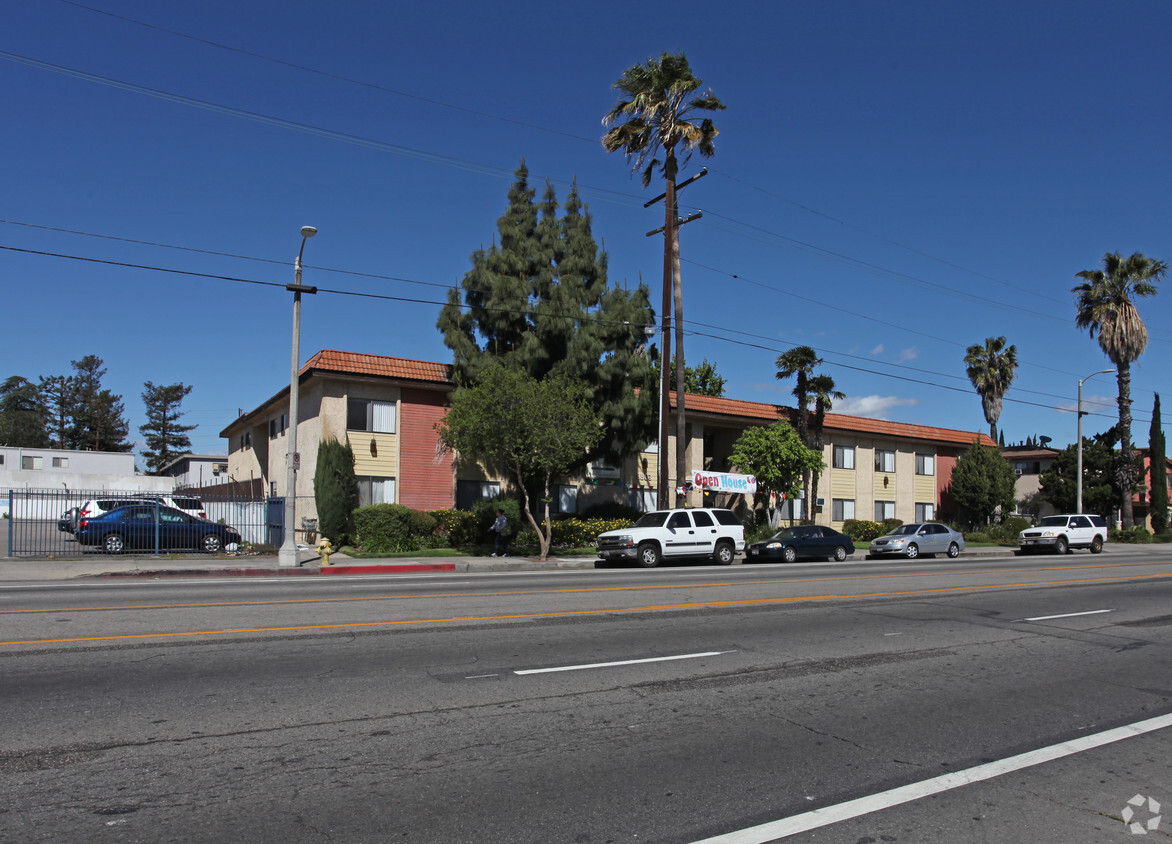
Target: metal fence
43, 522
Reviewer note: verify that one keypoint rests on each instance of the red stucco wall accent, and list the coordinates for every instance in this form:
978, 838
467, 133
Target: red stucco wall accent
427, 477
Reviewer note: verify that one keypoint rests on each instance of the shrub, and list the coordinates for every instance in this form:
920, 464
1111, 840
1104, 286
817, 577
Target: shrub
862, 530
611, 510
454, 528
484, 513
391, 528
335, 491
1015, 525
1137, 535
891, 524
1162, 537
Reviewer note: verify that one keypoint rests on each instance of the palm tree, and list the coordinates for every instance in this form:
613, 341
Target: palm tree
822, 391
1105, 308
657, 112
800, 362
991, 369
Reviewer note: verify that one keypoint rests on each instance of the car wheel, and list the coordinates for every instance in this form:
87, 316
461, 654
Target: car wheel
213, 544
789, 554
839, 554
648, 555
954, 550
725, 553
1097, 545
114, 544
1061, 545
912, 551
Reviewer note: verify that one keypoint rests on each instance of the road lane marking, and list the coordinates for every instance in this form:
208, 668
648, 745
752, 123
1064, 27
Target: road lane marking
946, 782
1065, 615
620, 662
747, 602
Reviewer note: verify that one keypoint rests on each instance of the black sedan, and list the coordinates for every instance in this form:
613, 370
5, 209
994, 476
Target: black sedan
802, 542
138, 525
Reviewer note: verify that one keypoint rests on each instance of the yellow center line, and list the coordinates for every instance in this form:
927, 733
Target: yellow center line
570, 613
576, 590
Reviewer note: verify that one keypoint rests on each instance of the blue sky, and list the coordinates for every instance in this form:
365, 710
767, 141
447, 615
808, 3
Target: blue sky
892, 183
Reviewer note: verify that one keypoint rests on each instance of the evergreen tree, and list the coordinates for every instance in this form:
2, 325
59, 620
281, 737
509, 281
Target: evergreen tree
982, 483
1100, 485
335, 490
165, 437
539, 304
1157, 456
57, 394
22, 414
97, 414
702, 380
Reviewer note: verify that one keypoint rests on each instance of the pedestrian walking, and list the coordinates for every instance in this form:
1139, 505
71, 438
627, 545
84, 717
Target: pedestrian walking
500, 528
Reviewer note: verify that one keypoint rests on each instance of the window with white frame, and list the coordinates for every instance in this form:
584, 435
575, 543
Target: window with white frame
884, 510
378, 417
884, 460
844, 457
375, 490
925, 512
469, 492
28, 461
843, 509
60, 462
925, 464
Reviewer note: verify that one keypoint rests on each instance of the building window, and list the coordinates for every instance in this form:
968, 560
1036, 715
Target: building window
884, 510
844, 457
378, 417
565, 499
1, 459
273, 488
469, 492
245, 441
843, 509
884, 461
925, 464
29, 462
60, 462
925, 512
272, 429
372, 490
284, 423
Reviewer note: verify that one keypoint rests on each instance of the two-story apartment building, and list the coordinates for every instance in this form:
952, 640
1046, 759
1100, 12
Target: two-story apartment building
387, 409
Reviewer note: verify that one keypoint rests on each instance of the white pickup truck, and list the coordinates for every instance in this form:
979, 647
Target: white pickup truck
1061, 534
672, 534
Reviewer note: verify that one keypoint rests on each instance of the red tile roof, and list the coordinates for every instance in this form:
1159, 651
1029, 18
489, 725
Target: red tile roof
858, 424
357, 363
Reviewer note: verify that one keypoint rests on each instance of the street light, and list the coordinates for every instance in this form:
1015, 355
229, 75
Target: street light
287, 555
1078, 506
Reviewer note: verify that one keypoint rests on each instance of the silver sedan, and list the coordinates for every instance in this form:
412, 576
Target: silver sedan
920, 538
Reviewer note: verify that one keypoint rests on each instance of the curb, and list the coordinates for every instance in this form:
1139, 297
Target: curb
388, 569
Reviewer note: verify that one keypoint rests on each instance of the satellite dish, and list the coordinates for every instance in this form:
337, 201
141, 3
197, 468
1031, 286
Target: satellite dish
1045, 441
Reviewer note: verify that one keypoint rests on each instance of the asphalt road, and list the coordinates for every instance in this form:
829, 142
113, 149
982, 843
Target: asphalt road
591, 706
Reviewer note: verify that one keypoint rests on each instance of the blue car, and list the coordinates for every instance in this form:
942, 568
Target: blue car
136, 526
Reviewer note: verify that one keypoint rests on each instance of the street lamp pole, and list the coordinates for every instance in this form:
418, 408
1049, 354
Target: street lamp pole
287, 555
1078, 506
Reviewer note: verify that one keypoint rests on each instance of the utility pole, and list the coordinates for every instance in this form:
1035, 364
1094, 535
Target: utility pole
672, 283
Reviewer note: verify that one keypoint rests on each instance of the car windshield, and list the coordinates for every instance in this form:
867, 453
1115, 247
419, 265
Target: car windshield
653, 519
788, 533
1053, 521
904, 530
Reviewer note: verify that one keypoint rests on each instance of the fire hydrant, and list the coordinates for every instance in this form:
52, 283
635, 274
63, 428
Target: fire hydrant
325, 549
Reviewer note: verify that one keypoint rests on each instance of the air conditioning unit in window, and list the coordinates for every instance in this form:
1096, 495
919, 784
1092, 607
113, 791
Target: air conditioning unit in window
1017, 472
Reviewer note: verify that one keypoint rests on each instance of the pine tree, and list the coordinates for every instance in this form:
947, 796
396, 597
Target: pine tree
982, 483
22, 414
1157, 456
165, 437
335, 491
539, 303
57, 394
97, 416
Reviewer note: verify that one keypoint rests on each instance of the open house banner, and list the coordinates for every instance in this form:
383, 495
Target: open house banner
724, 482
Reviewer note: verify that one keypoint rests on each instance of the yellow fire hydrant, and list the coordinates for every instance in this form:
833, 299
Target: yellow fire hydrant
325, 549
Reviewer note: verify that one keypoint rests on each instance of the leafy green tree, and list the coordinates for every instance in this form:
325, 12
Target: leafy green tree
657, 112
530, 430
702, 380
982, 484
97, 416
991, 368
165, 437
1101, 492
335, 491
539, 303
1105, 307
57, 394
22, 414
778, 458
1158, 460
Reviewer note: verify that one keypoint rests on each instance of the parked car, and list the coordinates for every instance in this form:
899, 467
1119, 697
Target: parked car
802, 542
1061, 534
135, 526
68, 520
918, 539
714, 533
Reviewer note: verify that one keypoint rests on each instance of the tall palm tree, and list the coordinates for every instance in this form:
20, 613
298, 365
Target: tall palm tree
799, 362
991, 368
1105, 308
657, 112
824, 395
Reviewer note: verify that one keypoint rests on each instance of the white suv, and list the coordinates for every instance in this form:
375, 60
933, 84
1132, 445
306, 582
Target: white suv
1063, 533
702, 532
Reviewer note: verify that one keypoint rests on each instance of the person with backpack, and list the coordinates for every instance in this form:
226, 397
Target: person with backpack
500, 529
